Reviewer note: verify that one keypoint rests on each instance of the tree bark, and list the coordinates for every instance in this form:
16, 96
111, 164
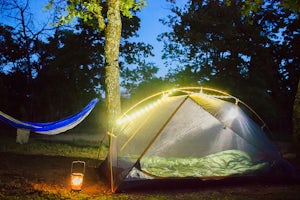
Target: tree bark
111, 51
296, 120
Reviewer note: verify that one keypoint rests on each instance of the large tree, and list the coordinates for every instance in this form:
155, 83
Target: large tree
108, 17
214, 43
291, 36
71, 58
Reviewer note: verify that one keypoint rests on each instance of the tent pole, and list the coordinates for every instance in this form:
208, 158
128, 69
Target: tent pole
162, 128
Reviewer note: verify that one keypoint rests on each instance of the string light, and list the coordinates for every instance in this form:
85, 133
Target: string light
135, 115
236, 101
189, 91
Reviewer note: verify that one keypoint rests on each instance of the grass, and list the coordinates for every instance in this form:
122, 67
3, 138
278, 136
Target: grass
74, 148
16, 184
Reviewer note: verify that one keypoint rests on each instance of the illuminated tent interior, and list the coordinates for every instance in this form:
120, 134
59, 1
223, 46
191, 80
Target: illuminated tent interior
188, 133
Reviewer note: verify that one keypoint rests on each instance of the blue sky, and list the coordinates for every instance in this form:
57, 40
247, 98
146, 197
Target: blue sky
150, 25
151, 28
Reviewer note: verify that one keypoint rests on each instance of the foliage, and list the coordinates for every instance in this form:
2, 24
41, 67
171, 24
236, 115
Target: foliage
251, 7
60, 68
290, 35
19, 46
68, 68
136, 76
111, 22
133, 77
93, 9
144, 89
214, 43
296, 119
8, 46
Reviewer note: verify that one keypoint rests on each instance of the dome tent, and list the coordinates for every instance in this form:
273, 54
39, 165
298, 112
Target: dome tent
188, 133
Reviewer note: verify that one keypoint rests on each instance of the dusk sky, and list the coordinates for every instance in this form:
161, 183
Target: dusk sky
150, 25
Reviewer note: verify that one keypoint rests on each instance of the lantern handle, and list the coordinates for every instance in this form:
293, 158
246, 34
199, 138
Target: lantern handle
81, 163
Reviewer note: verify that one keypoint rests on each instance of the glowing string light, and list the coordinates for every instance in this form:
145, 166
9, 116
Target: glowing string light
135, 115
189, 91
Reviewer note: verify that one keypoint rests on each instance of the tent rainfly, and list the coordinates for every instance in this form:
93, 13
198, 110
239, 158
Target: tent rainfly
189, 133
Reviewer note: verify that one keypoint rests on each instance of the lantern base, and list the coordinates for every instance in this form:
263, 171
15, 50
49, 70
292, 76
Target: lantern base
76, 181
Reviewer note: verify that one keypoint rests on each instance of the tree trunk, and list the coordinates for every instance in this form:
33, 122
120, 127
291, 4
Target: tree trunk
111, 51
296, 120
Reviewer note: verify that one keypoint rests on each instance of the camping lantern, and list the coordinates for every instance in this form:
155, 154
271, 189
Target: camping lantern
77, 173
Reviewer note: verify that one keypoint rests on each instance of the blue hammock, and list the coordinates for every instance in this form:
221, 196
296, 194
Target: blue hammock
51, 128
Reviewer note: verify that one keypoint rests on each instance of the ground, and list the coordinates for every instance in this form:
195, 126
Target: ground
30, 175
23, 174
48, 177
